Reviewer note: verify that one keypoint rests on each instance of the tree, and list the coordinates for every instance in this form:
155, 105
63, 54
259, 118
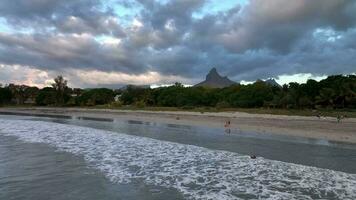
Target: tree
61, 88
252, 95
295, 94
98, 96
19, 93
5, 95
46, 97
133, 94
31, 94
337, 91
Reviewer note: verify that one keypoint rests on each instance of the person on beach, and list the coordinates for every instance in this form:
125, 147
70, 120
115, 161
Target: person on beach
228, 131
339, 117
227, 124
227, 127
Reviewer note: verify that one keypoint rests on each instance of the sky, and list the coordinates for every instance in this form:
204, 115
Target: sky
110, 43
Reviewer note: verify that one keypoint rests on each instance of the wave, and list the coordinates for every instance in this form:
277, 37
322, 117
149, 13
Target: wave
198, 173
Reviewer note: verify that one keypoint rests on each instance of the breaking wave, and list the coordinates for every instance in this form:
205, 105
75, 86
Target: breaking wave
198, 173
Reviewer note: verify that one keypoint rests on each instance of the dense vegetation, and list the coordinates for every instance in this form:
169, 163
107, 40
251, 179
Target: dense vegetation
333, 92
98, 96
5, 95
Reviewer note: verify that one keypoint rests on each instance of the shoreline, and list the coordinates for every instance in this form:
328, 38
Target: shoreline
300, 126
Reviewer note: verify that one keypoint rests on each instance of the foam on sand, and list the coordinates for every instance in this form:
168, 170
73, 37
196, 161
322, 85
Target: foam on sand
199, 173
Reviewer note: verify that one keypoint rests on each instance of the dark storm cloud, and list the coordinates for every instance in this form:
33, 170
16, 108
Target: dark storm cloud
77, 16
312, 54
57, 52
96, 24
165, 24
179, 61
29, 8
279, 24
263, 39
260, 40
180, 11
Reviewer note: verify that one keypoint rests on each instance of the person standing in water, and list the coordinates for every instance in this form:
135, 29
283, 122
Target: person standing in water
227, 127
227, 124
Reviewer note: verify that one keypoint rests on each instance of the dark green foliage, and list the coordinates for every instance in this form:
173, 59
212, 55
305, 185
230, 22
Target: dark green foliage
179, 96
94, 97
133, 94
21, 94
253, 95
334, 92
5, 95
46, 96
62, 90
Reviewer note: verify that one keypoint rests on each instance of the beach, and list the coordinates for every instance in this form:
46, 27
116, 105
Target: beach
120, 154
301, 126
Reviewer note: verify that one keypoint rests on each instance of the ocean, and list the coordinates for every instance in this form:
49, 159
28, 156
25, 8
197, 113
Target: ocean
55, 158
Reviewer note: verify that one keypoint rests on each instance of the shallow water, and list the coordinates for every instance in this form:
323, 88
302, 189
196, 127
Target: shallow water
45, 156
310, 152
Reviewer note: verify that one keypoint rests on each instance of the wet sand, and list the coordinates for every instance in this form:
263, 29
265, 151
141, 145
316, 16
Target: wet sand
310, 127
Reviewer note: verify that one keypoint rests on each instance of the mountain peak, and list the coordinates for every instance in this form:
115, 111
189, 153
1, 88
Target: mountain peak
213, 70
213, 73
272, 82
214, 80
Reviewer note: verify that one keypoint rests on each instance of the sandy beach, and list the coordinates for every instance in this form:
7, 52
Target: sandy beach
309, 127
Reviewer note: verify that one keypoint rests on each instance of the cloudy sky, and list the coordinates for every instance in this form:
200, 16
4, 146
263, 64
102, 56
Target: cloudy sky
114, 42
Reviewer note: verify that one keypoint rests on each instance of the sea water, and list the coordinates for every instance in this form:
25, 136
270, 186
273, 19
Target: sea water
40, 159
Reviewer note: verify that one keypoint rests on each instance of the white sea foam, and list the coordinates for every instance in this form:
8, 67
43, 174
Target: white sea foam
197, 172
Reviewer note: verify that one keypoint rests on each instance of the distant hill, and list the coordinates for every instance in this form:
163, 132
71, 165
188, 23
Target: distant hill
272, 82
135, 87
214, 80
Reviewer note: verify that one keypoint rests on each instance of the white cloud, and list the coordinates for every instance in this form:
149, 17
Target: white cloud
95, 77
108, 40
170, 25
299, 78
137, 23
328, 34
24, 75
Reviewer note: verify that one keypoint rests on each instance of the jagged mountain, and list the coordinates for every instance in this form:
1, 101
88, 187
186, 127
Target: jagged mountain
272, 82
214, 80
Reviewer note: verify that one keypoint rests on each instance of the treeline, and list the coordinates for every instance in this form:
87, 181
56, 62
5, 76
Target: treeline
57, 95
333, 92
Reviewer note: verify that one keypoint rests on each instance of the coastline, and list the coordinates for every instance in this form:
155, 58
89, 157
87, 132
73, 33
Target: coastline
300, 126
